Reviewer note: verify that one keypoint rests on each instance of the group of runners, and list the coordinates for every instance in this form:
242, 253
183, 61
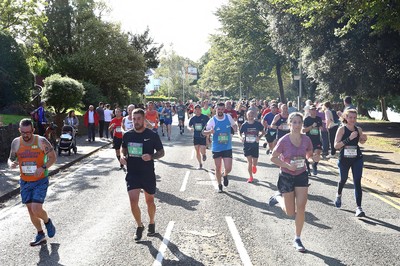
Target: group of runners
294, 141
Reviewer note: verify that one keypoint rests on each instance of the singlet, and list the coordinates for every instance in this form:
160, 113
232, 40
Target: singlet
152, 117
30, 157
167, 114
117, 128
282, 121
222, 139
351, 151
128, 123
206, 112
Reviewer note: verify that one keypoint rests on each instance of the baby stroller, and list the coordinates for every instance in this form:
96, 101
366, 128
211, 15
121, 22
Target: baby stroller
67, 140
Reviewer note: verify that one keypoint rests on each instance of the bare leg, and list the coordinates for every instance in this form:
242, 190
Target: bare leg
218, 174
134, 201
301, 194
151, 206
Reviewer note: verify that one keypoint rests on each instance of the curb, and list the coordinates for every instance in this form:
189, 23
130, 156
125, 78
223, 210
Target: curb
16, 191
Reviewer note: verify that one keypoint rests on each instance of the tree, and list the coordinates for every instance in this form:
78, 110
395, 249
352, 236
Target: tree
62, 93
144, 44
15, 77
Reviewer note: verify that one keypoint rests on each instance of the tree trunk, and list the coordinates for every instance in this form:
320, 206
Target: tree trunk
280, 82
361, 110
382, 100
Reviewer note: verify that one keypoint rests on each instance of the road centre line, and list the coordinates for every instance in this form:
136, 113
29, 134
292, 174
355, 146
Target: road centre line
244, 256
164, 244
185, 180
213, 181
367, 189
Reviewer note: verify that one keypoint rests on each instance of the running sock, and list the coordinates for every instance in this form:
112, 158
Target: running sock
40, 232
296, 237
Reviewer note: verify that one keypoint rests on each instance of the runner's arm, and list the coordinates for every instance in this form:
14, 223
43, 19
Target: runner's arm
363, 137
338, 138
48, 149
12, 159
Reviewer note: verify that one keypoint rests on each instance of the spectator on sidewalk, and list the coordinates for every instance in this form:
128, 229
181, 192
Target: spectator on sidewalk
108, 115
100, 113
42, 121
348, 103
71, 120
34, 155
91, 121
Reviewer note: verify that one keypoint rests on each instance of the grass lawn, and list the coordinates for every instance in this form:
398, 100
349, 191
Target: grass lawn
13, 119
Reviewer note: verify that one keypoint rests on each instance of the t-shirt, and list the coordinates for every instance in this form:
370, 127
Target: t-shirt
180, 109
152, 117
167, 113
137, 145
251, 131
290, 153
117, 132
107, 115
159, 110
100, 112
232, 112
198, 123
314, 133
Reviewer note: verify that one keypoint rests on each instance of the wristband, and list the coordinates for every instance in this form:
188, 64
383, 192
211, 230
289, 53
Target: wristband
346, 141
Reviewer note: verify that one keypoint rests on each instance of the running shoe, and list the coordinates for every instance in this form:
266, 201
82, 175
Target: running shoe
360, 212
39, 239
220, 188
51, 230
151, 231
272, 201
200, 167
268, 152
139, 233
338, 202
204, 157
250, 180
265, 145
298, 245
226, 181
254, 169
314, 170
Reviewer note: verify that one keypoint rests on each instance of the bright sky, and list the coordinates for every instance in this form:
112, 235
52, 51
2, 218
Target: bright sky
184, 24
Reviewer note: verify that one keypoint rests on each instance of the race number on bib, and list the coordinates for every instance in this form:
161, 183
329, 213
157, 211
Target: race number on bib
28, 168
223, 138
251, 139
118, 129
314, 131
285, 126
135, 149
299, 162
240, 119
350, 151
198, 126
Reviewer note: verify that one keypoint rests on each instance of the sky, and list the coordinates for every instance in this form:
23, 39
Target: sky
184, 24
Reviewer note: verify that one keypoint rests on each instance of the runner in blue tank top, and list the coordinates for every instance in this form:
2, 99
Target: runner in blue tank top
220, 126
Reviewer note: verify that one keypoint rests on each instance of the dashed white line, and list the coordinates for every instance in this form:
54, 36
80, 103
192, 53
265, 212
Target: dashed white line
238, 242
213, 180
185, 180
164, 244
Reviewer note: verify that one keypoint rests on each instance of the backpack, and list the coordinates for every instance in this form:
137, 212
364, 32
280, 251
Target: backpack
35, 115
335, 117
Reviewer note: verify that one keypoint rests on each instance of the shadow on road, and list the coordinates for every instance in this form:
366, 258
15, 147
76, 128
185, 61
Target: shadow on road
171, 199
326, 259
183, 259
375, 222
49, 257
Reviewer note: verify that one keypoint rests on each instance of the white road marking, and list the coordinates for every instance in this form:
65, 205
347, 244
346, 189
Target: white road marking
164, 244
238, 242
192, 157
185, 180
213, 180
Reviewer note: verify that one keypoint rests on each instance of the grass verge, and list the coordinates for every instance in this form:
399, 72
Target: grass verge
384, 144
13, 119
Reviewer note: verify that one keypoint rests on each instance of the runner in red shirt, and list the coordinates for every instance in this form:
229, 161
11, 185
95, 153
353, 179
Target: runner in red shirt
116, 128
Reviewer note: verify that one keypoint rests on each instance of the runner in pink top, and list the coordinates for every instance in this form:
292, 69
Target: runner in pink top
290, 154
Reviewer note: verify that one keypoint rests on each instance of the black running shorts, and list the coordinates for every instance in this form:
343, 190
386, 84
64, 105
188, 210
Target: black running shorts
117, 143
147, 183
251, 151
199, 141
223, 154
287, 182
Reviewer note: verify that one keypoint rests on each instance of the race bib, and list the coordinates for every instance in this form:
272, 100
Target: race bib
299, 162
135, 149
285, 126
167, 116
198, 126
28, 168
223, 138
251, 139
350, 151
180, 116
152, 124
314, 131
240, 119
118, 129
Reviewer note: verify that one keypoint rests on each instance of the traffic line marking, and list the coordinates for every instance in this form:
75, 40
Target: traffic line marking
192, 157
164, 244
185, 180
213, 180
244, 256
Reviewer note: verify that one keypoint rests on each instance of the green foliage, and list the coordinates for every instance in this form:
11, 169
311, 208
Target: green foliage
160, 98
62, 93
15, 77
92, 95
144, 44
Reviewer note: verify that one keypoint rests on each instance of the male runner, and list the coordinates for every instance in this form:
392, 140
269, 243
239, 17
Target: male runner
220, 126
270, 135
138, 155
34, 155
151, 116
127, 121
251, 130
180, 110
197, 124
116, 129
312, 127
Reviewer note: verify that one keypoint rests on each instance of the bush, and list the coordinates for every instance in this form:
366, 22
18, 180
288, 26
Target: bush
92, 95
160, 98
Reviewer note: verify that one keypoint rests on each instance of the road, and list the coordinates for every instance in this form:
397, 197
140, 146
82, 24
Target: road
196, 225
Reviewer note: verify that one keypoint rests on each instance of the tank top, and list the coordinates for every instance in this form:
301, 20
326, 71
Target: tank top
30, 157
128, 124
351, 151
222, 139
206, 112
152, 118
282, 121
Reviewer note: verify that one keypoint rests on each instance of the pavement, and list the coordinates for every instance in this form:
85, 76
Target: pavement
9, 178
381, 168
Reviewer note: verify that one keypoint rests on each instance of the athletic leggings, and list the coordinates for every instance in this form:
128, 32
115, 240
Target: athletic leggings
332, 135
356, 169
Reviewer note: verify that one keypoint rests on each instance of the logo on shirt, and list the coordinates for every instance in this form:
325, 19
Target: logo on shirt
146, 139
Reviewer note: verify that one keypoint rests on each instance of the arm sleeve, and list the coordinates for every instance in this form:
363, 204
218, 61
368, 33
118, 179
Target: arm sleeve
231, 120
210, 124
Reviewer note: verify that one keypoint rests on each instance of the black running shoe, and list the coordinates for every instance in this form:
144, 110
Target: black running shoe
220, 188
264, 145
298, 245
272, 201
226, 181
139, 233
151, 230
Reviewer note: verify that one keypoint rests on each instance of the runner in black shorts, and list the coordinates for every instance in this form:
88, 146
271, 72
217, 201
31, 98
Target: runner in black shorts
251, 130
312, 127
197, 124
138, 147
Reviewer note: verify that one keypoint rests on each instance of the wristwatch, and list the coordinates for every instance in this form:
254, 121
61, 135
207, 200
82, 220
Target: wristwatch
44, 167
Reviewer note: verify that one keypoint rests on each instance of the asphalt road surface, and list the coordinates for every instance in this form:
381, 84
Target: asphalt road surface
195, 225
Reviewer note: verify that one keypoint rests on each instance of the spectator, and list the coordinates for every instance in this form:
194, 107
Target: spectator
100, 113
42, 121
91, 121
